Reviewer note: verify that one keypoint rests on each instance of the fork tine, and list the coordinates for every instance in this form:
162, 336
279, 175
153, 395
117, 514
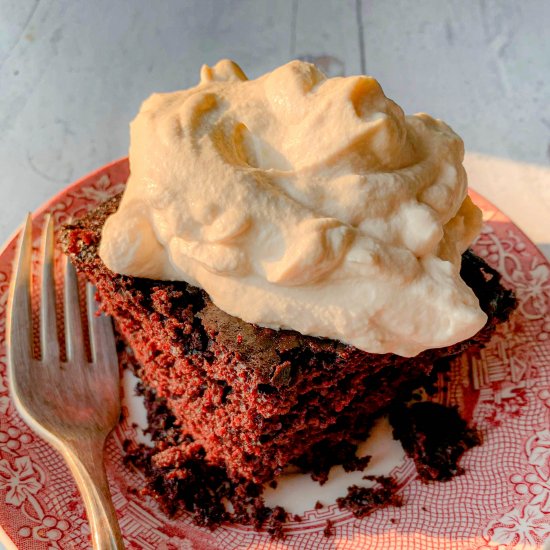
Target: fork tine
102, 340
48, 327
19, 307
74, 336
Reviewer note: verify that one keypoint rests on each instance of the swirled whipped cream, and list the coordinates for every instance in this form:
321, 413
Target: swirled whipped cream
302, 202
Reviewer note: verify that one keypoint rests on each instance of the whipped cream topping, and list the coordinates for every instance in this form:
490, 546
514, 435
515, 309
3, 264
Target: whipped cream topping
302, 202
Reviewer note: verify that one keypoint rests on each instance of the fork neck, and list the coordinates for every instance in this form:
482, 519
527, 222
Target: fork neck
85, 459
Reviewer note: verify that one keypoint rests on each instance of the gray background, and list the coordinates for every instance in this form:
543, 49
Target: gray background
73, 73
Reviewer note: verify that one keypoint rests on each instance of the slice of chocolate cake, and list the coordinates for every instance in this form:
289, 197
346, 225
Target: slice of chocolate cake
256, 399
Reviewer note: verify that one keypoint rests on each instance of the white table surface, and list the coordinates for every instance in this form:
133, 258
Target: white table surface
73, 73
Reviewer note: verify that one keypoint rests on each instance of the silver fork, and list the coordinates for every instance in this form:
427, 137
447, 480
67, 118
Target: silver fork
73, 404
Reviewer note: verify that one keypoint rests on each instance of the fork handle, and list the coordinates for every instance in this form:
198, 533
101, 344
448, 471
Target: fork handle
85, 460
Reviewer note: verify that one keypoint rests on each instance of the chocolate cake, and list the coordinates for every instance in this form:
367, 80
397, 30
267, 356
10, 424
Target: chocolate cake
253, 399
434, 436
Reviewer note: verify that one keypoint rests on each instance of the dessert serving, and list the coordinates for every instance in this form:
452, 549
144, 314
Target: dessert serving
289, 257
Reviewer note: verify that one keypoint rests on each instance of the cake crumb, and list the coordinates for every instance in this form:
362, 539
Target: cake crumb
434, 436
328, 531
319, 505
362, 501
276, 521
322, 456
356, 464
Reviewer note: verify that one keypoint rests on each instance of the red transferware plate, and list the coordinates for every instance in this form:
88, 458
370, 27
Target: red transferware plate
501, 502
